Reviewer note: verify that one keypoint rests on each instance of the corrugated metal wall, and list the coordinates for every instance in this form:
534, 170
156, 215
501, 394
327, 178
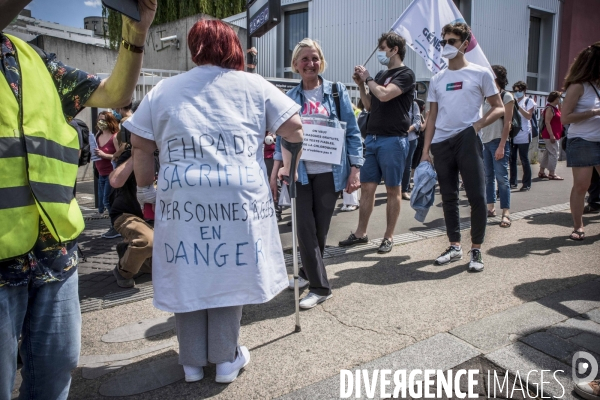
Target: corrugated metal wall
348, 31
267, 54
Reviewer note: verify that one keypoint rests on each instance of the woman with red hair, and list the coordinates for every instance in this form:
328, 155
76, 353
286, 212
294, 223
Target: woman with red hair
216, 242
108, 127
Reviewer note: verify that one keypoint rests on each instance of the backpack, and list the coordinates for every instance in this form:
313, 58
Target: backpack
515, 123
535, 131
84, 140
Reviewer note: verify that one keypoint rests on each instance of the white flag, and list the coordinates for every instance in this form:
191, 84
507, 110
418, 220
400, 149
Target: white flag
421, 25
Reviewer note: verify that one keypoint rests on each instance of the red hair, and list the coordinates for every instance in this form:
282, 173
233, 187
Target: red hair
113, 124
214, 42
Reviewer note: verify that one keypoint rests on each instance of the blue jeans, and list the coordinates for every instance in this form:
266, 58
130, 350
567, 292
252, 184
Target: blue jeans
412, 146
104, 189
496, 170
49, 320
523, 151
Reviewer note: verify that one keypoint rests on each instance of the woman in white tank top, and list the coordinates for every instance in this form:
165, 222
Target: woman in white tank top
581, 109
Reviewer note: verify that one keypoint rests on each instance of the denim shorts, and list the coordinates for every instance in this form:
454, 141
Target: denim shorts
582, 153
385, 157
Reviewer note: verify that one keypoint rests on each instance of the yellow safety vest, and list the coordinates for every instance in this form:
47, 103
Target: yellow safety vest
38, 160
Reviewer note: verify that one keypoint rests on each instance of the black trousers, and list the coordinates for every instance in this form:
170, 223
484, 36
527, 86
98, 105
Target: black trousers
315, 203
594, 190
462, 154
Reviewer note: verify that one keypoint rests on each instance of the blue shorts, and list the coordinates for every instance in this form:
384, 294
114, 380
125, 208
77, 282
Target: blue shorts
385, 157
582, 153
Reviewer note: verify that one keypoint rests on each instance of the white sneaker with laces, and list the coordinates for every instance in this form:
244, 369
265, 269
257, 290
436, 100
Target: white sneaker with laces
476, 263
228, 371
449, 255
193, 374
344, 208
302, 283
312, 300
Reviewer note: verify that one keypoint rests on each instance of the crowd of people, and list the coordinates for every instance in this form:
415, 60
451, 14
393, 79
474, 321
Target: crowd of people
194, 193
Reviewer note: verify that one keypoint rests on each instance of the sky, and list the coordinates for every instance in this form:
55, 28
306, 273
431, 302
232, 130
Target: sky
65, 12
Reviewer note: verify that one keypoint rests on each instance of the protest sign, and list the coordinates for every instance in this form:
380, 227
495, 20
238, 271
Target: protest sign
323, 140
93, 147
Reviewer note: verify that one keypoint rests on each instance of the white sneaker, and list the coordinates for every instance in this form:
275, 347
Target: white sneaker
451, 254
476, 264
588, 390
312, 300
302, 283
228, 371
193, 374
344, 208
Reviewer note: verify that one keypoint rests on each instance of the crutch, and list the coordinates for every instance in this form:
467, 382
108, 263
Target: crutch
295, 149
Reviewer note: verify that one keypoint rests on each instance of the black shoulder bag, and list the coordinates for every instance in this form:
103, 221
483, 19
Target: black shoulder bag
336, 99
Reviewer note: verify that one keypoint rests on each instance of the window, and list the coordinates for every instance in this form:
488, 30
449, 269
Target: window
541, 52
533, 56
295, 29
464, 6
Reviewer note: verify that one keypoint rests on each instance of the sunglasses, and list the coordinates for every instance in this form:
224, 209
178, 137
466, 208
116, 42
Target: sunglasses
451, 42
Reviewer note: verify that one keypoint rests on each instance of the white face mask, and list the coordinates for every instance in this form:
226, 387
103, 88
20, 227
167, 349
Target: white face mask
383, 59
449, 51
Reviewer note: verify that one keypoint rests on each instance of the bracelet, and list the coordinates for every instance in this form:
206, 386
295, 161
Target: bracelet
131, 47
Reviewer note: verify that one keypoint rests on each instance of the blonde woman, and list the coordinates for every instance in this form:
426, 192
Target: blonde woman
319, 184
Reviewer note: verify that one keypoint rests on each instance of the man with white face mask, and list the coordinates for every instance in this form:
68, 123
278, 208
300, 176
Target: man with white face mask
390, 98
456, 95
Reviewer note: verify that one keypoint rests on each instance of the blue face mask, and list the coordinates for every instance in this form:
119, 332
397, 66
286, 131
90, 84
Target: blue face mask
519, 95
383, 59
117, 115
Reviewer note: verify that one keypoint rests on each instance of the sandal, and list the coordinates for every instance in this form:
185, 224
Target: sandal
555, 178
542, 175
504, 223
491, 213
576, 235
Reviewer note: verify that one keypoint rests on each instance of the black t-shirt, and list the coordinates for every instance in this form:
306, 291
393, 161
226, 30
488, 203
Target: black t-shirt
391, 118
124, 199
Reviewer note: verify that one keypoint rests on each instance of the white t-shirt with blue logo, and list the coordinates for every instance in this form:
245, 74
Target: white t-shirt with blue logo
460, 95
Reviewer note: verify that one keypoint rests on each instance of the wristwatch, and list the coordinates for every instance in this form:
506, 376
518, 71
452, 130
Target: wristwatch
355, 166
369, 79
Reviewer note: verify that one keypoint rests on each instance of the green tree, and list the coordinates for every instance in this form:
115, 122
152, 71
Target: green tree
172, 10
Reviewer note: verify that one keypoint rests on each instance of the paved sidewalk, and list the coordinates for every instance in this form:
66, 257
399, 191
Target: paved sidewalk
99, 290
536, 302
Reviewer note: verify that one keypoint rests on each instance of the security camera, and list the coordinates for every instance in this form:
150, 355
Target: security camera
168, 38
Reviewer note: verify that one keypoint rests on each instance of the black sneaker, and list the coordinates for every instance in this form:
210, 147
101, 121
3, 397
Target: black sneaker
352, 240
525, 189
111, 234
386, 246
514, 186
122, 282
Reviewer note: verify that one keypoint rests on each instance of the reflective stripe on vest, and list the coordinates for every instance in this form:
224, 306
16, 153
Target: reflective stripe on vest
38, 160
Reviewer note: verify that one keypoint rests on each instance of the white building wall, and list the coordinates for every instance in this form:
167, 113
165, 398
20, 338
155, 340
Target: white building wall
348, 31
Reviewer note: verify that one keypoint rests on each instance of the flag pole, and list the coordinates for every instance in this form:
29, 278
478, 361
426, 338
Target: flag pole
368, 59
